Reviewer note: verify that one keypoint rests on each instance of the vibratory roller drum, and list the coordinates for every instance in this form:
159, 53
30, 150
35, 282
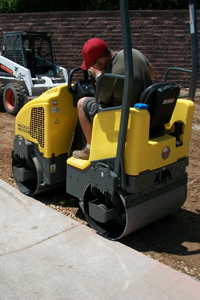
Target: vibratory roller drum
27, 174
116, 221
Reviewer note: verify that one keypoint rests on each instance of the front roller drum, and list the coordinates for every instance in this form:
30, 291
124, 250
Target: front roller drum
27, 176
128, 220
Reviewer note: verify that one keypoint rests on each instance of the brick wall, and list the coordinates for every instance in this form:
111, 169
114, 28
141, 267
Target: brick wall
162, 36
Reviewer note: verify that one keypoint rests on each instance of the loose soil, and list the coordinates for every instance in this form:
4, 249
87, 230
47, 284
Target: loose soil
173, 240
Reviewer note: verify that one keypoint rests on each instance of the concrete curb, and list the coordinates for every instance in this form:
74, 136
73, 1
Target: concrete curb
46, 255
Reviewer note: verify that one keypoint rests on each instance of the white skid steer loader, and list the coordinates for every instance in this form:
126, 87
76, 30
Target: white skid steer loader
27, 68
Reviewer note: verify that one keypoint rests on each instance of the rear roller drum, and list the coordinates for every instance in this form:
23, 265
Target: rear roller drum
102, 215
115, 223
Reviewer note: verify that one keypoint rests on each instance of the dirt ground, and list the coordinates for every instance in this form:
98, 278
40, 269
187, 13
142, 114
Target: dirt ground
173, 240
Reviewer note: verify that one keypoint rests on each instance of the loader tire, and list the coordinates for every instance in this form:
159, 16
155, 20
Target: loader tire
14, 97
1, 96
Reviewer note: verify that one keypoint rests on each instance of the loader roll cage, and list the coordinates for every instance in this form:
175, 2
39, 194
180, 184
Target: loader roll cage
30, 49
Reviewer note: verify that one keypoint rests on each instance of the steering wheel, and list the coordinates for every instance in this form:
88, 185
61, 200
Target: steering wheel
83, 88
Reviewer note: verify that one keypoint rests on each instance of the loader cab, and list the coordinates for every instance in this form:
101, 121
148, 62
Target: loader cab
30, 49
38, 53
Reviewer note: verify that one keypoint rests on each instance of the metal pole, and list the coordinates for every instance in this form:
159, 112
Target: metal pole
128, 84
195, 50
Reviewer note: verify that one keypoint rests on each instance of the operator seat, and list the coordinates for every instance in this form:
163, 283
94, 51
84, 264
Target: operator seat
161, 99
30, 61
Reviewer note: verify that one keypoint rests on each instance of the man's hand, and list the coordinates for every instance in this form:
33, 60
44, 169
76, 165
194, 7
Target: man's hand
95, 72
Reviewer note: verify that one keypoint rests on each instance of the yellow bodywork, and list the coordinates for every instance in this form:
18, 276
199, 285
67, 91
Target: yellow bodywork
141, 153
49, 121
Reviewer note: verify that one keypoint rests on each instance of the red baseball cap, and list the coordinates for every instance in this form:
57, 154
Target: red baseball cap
91, 51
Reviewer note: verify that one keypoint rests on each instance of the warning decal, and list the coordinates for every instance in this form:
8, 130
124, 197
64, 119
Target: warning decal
57, 121
53, 168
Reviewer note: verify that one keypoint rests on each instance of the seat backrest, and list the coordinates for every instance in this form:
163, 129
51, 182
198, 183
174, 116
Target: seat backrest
30, 58
161, 100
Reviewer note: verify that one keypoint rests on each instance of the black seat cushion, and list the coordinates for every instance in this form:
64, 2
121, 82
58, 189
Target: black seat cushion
161, 100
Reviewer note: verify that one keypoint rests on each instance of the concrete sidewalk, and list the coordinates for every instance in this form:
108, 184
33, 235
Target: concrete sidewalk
46, 255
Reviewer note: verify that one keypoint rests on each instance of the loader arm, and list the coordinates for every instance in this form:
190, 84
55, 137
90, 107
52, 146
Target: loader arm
18, 72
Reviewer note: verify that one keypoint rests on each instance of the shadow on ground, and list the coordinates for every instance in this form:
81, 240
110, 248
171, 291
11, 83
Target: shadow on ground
169, 235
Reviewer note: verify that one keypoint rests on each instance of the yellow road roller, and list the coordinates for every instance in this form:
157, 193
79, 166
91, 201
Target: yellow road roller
136, 172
